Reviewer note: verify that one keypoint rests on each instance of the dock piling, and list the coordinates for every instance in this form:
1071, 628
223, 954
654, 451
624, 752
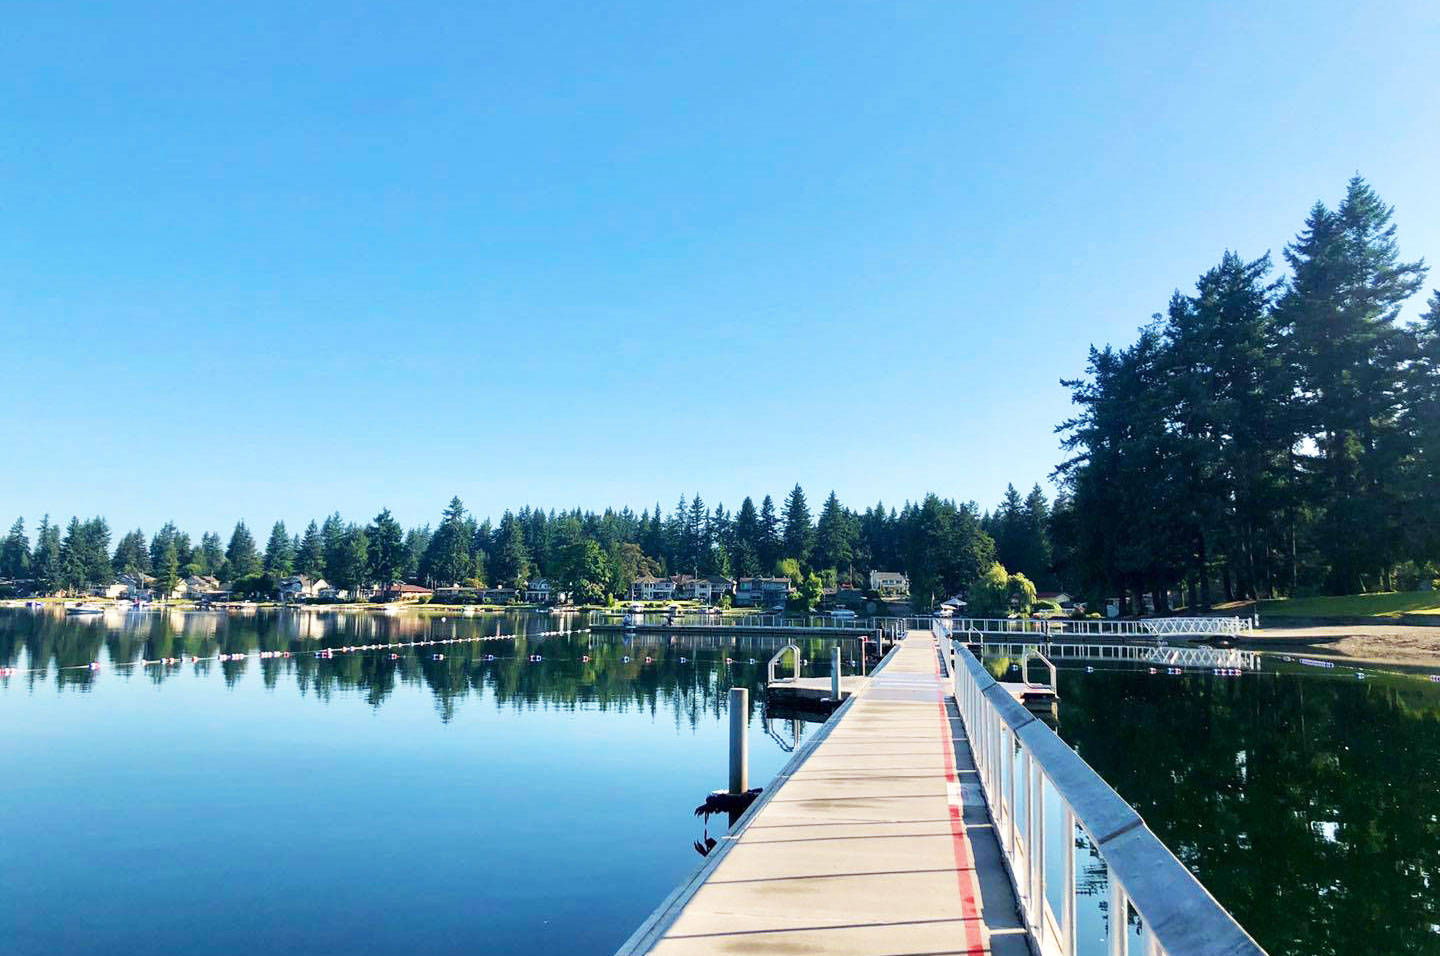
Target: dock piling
835, 673
739, 740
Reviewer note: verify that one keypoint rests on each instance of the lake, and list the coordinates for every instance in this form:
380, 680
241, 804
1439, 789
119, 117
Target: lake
480, 803
1306, 801
491, 802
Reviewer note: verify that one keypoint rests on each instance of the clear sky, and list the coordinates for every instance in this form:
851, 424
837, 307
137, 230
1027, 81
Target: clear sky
270, 259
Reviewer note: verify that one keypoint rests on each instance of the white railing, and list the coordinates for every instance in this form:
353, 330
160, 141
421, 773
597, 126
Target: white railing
794, 650
1151, 627
1027, 772
1161, 655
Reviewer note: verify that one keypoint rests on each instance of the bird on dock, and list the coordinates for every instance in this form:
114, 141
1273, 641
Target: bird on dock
722, 801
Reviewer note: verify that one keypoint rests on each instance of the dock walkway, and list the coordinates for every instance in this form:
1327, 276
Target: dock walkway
876, 841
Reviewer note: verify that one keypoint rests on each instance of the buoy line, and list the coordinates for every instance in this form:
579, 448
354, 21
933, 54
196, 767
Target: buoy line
329, 653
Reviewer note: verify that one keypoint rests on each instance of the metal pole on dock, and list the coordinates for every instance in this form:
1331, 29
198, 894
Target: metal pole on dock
835, 673
739, 740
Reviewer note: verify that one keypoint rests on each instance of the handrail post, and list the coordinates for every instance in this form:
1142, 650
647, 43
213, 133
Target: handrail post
739, 740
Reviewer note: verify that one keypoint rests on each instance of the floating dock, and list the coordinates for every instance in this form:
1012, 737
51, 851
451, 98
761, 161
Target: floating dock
812, 691
874, 839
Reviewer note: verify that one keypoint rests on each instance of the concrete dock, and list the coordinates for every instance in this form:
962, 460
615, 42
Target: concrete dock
875, 839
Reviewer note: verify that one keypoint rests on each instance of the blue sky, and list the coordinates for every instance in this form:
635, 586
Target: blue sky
272, 259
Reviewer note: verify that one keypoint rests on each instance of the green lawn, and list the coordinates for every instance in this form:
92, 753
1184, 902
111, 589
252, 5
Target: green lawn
1381, 605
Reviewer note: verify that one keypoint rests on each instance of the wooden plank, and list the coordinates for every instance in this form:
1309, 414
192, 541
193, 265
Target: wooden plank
876, 843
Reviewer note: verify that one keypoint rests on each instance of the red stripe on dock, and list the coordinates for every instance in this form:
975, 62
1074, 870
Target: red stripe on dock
964, 857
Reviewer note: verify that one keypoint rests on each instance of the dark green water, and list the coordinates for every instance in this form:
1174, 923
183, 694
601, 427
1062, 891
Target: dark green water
1308, 802
352, 804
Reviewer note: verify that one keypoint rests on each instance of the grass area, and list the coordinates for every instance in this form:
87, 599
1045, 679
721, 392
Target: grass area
1380, 605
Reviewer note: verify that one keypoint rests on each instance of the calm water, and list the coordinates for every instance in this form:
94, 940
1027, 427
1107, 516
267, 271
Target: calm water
354, 804
366, 805
1308, 802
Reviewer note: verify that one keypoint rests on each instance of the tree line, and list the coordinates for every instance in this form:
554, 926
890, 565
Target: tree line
943, 546
1267, 434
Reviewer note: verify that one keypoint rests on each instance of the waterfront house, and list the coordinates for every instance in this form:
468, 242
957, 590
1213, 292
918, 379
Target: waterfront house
890, 583
112, 591
761, 592
648, 588
538, 591
138, 586
403, 592
1059, 597
707, 590
301, 587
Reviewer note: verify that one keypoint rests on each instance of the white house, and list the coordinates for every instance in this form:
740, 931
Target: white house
538, 591
647, 588
300, 587
889, 582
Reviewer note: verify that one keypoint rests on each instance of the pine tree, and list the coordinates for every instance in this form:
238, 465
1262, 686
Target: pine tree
15, 552
799, 535
770, 541
279, 552
45, 562
167, 572
132, 555
1340, 309
447, 559
352, 565
310, 556
387, 548
512, 558
836, 535
240, 555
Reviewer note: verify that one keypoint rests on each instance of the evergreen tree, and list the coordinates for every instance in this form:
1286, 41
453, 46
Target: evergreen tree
770, 542
167, 572
241, 555
387, 548
836, 536
417, 541
512, 558
1340, 309
45, 563
352, 565
279, 552
132, 555
72, 557
209, 558
332, 537
15, 552
310, 556
1421, 424
447, 558
799, 535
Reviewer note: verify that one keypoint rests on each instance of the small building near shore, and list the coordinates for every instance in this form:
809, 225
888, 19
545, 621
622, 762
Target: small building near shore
404, 592
890, 583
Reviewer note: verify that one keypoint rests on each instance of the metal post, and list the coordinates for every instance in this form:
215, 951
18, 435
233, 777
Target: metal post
1119, 918
1068, 933
835, 673
739, 740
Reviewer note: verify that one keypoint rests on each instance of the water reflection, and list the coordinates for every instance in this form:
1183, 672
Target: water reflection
518, 659
1308, 805
323, 793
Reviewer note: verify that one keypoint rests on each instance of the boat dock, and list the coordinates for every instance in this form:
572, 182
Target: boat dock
889, 833
873, 839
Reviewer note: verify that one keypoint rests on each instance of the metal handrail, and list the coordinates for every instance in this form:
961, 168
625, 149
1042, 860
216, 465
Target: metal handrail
1016, 754
1151, 627
770, 668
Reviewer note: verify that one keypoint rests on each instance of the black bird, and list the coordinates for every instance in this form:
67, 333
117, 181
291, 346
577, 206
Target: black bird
722, 801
